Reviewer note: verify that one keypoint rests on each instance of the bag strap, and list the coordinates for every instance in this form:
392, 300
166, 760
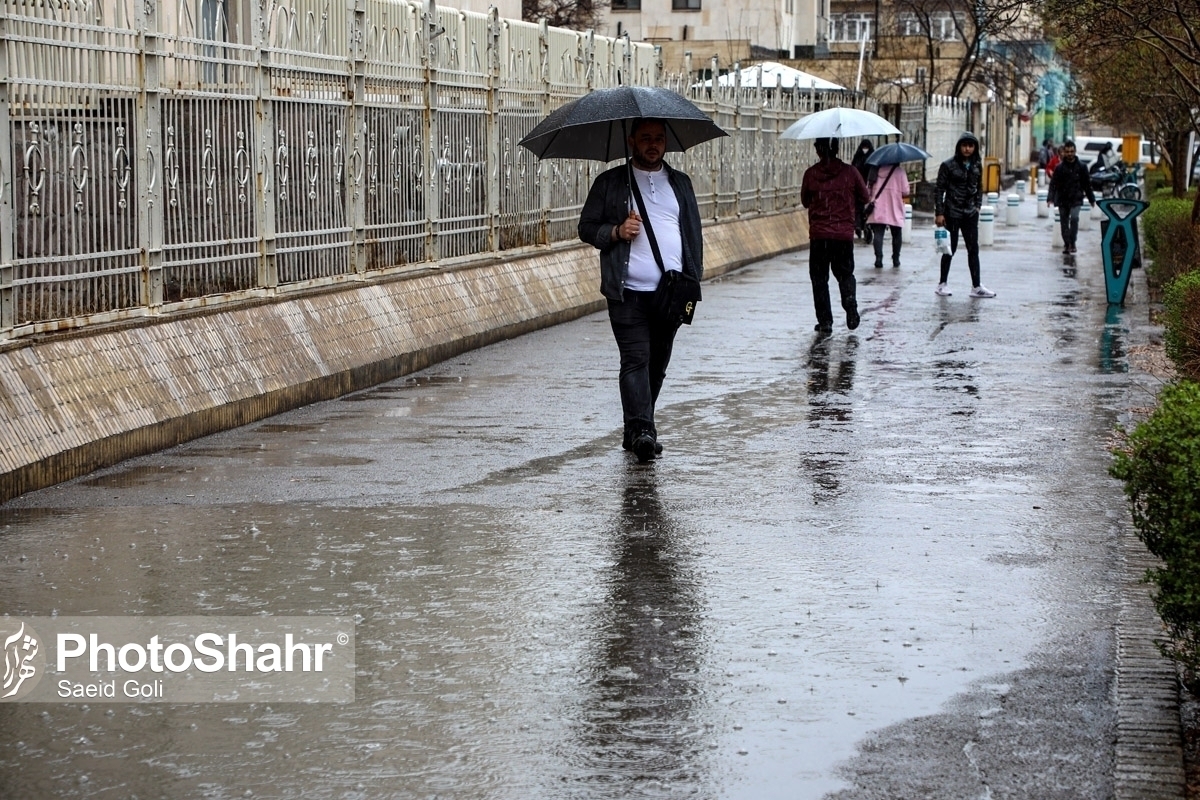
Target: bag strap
885, 183
637, 196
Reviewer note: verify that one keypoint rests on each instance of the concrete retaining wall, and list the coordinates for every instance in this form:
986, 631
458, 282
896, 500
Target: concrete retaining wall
72, 403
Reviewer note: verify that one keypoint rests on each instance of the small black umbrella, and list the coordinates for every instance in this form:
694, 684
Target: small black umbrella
595, 126
896, 153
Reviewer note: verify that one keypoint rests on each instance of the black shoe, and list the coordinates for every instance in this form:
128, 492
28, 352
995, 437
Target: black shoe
852, 319
824, 328
1066, 251
878, 265
1072, 249
895, 265
643, 447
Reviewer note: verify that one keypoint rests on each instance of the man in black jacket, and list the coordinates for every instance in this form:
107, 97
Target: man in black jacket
957, 199
629, 271
1068, 186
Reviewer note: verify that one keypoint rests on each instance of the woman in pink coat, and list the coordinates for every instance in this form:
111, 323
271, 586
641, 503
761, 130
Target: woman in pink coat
887, 189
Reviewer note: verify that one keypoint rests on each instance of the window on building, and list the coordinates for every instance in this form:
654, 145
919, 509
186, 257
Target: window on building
626, 5
944, 25
850, 27
685, 5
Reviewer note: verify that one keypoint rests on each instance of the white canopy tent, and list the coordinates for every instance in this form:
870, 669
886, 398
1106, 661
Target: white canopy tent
776, 76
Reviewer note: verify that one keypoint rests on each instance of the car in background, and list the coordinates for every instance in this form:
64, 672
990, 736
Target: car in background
1088, 148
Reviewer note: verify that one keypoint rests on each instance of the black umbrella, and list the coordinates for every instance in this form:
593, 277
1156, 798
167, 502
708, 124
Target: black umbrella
595, 126
896, 153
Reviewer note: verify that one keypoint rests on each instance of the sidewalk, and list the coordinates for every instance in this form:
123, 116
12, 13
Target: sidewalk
887, 564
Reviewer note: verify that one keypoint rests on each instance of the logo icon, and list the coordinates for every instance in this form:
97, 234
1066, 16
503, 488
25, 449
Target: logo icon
24, 661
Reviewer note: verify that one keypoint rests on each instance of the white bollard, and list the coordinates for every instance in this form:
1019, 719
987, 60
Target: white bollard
1085, 216
1057, 241
987, 226
906, 230
1043, 204
1022, 190
1014, 211
1042, 180
993, 199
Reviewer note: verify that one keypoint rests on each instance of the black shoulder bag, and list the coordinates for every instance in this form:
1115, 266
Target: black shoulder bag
869, 208
677, 293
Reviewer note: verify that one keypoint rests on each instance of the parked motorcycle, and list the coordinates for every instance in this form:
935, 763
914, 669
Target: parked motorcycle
1119, 180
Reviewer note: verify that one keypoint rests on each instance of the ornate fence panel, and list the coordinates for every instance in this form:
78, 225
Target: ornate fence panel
164, 155
392, 164
71, 234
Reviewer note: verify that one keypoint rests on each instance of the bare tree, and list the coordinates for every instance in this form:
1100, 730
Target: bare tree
1137, 64
962, 31
579, 15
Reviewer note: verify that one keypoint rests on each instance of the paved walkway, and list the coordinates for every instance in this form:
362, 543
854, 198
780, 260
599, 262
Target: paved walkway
889, 564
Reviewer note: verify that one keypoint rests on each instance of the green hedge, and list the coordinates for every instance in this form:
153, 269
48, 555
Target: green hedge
1181, 323
1164, 210
1160, 465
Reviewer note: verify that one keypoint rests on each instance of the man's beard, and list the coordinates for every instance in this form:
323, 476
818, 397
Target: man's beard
641, 163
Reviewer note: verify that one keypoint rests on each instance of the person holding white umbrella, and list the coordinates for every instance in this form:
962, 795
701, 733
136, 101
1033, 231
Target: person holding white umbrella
832, 191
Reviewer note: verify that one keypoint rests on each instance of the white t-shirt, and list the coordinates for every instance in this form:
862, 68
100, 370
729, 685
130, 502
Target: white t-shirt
663, 208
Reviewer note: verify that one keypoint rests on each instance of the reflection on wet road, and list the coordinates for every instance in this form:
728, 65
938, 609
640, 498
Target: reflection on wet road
878, 565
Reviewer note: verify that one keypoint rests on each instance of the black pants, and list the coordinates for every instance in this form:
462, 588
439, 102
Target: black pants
645, 344
970, 234
1068, 220
836, 256
877, 233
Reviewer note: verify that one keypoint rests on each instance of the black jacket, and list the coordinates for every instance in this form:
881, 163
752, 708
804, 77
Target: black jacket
1069, 184
607, 205
959, 192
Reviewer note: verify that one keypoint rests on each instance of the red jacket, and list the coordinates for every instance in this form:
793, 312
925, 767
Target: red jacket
831, 191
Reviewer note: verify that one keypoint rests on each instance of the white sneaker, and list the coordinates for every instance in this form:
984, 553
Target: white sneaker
982, 291
943, 290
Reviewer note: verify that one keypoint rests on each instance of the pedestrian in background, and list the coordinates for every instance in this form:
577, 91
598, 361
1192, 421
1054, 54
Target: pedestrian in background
832, 191
957, 199
1053, 162
888, 188
859, 162
630, 269
1044, 154
1068, 186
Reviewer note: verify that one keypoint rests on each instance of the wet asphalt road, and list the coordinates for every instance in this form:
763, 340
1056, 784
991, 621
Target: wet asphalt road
880, 566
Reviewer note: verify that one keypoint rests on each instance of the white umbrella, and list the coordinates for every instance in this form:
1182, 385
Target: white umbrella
839, 123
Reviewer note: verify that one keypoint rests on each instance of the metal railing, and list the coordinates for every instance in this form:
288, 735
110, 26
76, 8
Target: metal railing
162, 157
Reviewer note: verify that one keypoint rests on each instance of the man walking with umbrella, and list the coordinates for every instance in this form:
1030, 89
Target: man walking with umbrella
832, 190
636, 248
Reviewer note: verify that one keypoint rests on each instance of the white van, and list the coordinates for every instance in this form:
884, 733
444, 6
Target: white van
1089, 147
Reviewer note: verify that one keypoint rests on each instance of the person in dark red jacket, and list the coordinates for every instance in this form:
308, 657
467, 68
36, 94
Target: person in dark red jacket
831, 191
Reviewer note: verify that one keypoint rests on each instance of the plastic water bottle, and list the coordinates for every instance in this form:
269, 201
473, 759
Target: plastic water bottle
941, 240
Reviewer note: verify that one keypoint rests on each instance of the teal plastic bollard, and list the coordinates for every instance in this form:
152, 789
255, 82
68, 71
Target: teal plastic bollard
1121, 228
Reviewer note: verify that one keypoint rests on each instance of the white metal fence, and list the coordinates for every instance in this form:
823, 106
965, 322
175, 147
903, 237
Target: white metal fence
164, 156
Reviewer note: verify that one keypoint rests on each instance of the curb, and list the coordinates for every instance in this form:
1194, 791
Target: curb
1149, 744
